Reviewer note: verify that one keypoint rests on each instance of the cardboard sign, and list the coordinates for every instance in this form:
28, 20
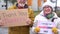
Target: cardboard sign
11, 18
45, 27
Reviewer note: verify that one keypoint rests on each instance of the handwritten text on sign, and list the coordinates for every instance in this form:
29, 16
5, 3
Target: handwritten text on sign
46, 27
10, 18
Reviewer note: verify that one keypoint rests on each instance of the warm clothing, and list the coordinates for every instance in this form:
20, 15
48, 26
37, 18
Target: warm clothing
21, 29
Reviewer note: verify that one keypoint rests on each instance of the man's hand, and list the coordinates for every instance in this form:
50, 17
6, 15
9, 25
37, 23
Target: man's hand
1, 24
28, 21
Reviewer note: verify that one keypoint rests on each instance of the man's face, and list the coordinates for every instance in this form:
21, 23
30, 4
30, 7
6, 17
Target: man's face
21, 1
47, 10
18, 1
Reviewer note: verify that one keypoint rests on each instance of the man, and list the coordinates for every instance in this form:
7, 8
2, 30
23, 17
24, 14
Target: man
21, 4
47, 14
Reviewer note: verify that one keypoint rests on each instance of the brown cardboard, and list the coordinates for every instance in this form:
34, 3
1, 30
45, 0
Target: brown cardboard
11, 18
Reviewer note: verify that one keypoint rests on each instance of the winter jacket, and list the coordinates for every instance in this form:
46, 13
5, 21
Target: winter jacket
21, 29
41, 17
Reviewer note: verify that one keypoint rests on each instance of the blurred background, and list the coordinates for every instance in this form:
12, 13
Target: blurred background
34, 4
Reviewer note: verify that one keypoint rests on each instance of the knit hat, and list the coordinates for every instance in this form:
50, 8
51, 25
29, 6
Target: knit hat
49, 4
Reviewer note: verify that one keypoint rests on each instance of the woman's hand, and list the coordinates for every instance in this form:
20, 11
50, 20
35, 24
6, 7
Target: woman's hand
54, 30
37, 29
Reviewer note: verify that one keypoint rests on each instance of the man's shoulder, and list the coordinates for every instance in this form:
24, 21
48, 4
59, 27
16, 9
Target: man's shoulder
12, 7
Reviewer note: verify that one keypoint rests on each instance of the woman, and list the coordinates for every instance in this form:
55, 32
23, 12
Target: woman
47, 14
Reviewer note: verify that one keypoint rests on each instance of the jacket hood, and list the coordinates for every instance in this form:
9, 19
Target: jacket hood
49, 4
55, 15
